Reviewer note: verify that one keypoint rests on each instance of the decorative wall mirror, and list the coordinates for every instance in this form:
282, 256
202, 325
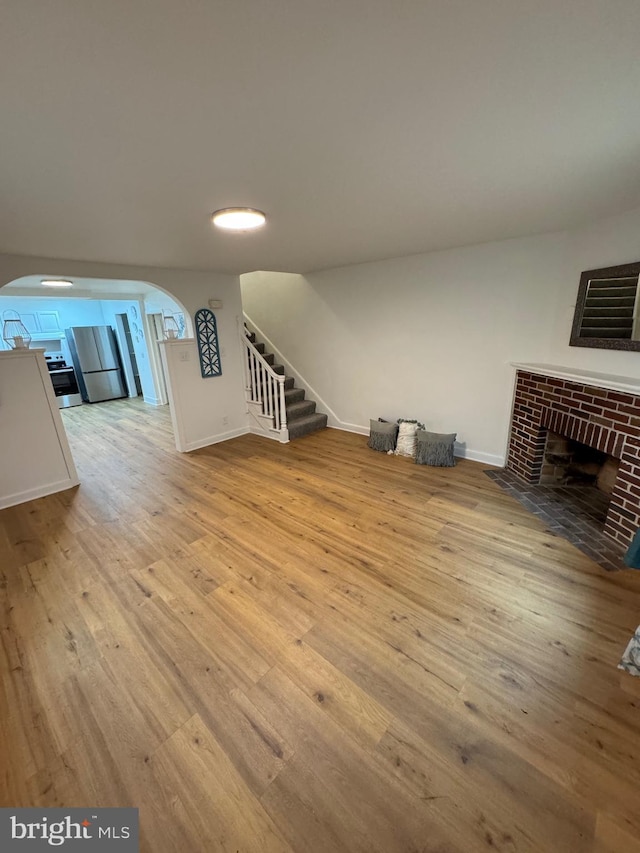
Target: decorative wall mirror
608, 310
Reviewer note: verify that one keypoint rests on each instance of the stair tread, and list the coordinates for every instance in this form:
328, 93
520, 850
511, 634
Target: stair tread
310, 418
293, 395
306, 425
299, 409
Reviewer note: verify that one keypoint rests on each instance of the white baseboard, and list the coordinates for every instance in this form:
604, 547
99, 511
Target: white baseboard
480, 456
460, 451
359, 430
214, 439
38, 492
273, 435
153, 401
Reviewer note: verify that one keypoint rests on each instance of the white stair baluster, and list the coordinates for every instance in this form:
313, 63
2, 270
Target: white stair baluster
265, 388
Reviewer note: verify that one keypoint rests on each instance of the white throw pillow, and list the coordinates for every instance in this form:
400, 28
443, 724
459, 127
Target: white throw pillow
406, 444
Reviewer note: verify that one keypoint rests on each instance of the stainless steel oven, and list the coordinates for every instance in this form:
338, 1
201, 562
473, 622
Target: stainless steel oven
63, 379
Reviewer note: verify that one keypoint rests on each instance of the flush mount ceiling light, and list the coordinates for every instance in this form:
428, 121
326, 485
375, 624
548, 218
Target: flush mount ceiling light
238, 219
56, 282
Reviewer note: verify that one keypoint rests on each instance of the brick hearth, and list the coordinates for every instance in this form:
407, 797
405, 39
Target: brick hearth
601, 418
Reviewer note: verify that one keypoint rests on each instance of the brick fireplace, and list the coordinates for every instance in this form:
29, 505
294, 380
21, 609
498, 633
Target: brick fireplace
605, 418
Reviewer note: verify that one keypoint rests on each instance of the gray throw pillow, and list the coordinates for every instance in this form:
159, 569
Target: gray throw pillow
435, 448
382, 436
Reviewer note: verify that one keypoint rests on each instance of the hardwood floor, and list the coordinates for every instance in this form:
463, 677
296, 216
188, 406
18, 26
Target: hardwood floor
311, 647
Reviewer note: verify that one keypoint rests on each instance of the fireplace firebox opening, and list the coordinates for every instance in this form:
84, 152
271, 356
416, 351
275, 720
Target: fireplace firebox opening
575, 406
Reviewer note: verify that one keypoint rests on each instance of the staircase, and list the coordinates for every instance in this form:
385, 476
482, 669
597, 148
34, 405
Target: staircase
278, 408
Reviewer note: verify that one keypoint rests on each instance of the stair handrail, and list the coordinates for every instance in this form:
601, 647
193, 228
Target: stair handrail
265, 386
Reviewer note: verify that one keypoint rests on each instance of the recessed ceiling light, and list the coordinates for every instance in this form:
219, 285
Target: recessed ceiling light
238, 219
56, 282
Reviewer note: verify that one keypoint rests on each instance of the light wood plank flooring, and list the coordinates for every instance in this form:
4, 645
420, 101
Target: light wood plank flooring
311, 647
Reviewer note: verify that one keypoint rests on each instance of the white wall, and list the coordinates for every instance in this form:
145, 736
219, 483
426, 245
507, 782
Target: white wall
606, 243
35, 459
161, 303
71, 312
51, 313
188, 405
212, 399
141, 342
432, 336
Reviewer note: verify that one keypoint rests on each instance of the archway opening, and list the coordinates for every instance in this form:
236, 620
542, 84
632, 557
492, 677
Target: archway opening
135, 311
100, 339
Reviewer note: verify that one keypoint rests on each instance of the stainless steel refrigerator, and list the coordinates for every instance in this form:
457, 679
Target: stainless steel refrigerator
95, 355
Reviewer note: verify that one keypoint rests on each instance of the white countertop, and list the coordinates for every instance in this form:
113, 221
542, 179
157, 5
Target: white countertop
630, 384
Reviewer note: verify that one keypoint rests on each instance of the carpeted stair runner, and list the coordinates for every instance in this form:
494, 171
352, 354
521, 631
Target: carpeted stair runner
302, 417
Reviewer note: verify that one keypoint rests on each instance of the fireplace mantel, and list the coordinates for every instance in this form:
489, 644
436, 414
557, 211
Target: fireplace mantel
630, 384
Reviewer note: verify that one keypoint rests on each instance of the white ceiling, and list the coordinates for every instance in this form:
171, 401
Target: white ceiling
84, 288
365, 129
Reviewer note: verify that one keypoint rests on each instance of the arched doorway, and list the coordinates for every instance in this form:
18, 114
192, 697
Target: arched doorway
132, 311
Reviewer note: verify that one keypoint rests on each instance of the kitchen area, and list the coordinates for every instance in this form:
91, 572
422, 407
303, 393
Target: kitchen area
96, 347
95, 373
85, 360
86, 347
